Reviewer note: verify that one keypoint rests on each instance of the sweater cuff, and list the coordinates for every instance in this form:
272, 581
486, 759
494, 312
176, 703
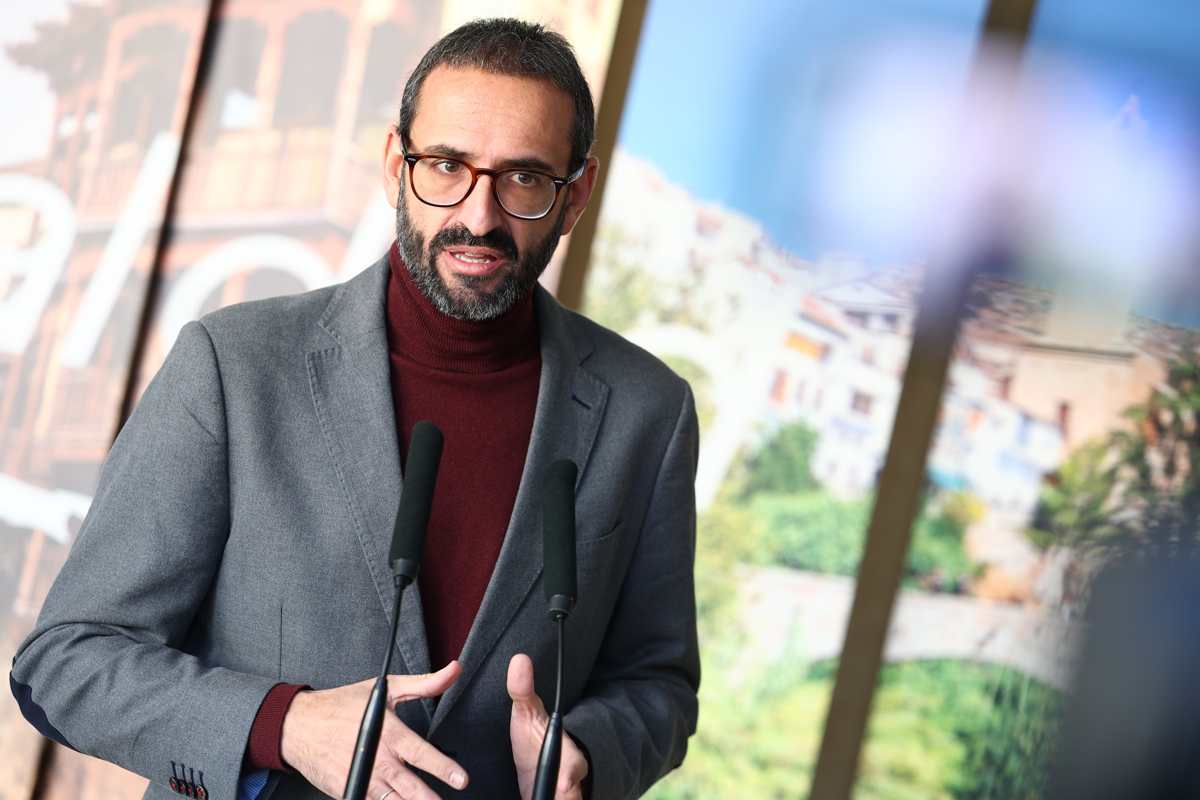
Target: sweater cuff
266, 733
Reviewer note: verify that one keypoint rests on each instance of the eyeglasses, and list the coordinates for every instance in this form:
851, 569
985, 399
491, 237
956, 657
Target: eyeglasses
523, 193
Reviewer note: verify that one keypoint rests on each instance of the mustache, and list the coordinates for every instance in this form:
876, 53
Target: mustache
459, 235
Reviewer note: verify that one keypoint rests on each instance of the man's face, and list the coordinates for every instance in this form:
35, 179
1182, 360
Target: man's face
472, 260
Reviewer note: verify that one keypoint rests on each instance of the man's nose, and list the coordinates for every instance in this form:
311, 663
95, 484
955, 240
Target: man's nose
479, 211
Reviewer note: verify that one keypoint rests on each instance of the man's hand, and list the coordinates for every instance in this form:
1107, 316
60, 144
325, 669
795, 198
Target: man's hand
527, 727
321, 727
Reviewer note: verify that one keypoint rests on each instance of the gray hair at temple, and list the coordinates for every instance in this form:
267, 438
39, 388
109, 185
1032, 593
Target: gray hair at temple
509, 47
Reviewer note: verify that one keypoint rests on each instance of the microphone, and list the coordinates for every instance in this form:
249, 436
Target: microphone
416, 500
558, 537
408, 542
558, 578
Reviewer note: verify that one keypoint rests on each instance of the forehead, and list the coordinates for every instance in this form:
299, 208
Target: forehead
493, 117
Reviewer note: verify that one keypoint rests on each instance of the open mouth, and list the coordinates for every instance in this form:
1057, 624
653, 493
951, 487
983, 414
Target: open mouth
475, 260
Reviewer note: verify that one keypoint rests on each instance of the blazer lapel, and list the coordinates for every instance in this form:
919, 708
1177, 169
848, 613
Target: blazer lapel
351, 389
570, 405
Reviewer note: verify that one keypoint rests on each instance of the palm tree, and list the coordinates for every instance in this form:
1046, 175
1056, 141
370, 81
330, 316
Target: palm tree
1160, 475
1078, 502
1135, 489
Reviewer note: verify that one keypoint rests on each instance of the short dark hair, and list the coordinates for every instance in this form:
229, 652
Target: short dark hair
509, 47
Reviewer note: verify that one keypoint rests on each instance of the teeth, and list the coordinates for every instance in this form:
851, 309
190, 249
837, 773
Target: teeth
472, 259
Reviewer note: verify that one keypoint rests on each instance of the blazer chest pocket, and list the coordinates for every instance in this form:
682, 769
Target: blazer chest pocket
597, 555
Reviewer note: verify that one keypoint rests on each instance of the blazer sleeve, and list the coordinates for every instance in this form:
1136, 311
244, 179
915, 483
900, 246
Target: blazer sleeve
104, 670
640, 703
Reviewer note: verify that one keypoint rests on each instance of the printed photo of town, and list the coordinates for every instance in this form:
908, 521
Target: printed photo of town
1067, 429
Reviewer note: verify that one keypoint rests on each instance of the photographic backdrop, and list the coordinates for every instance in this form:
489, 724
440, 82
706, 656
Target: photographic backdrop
790, 180
785, 186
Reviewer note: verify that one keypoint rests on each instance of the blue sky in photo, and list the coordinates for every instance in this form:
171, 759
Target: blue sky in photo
1146, 46
728, 101
1151, 49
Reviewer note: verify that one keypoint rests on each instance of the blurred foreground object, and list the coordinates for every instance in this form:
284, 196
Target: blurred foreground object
1083, 181
1132, 729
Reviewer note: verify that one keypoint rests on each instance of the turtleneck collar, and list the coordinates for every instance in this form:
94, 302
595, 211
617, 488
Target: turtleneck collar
420, 332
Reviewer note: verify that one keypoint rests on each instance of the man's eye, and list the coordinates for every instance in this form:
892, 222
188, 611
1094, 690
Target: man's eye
447, 167
524, 179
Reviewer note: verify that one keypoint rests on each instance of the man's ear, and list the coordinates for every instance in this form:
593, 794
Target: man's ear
578, 194
393, 167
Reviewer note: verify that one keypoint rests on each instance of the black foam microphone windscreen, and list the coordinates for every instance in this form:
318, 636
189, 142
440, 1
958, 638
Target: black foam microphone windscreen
558, 530
416, 497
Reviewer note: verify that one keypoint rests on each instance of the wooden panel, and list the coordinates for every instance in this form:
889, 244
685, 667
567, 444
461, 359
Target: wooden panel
940, 312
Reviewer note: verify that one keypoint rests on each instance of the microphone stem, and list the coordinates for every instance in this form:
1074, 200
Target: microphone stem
400, 582
559, 679
546, 776
372, 722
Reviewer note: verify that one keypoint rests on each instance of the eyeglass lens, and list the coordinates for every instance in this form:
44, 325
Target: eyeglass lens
445, 182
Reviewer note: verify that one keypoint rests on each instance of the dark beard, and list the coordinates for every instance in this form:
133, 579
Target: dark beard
471, 304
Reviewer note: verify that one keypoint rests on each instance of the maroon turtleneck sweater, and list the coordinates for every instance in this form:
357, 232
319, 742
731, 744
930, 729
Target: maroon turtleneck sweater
478, 382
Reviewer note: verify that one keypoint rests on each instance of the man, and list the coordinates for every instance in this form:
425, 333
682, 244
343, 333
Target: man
227, 599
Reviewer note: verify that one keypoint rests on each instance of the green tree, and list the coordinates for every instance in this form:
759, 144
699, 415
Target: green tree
956, 729
702, 388
939, 730
1159, 480
1076, 502
1008, 755
812, 531
782, 463
619, 290
727, 535
816, 532
1135, 489
937, 557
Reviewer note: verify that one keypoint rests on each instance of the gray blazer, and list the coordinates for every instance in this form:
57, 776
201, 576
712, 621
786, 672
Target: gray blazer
240, 532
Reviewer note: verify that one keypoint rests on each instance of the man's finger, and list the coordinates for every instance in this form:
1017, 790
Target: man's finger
520, 683
567, 783
410, 748
408, 687
399, 780
572, 770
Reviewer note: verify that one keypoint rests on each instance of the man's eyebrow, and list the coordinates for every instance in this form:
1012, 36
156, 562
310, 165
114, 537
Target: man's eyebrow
445, 150
524, 162
528, 162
